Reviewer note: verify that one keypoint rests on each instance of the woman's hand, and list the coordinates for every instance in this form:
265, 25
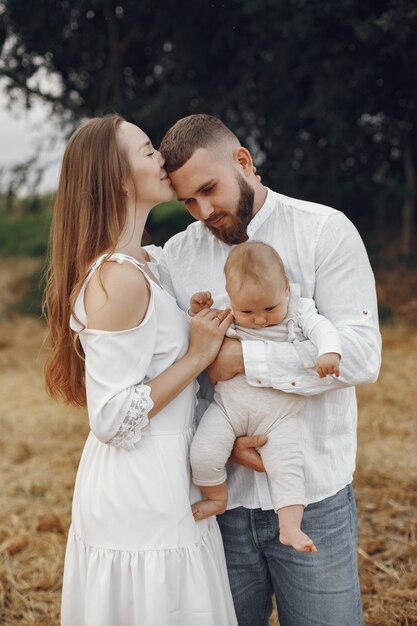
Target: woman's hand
207, 330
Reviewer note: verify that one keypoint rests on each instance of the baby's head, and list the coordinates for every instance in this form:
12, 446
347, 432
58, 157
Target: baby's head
257, 285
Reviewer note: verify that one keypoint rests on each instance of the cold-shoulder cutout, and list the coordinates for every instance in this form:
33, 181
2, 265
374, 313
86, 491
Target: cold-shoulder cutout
117, 297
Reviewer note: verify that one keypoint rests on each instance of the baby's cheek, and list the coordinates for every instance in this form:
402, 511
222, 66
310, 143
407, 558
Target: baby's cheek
238, 319
242, 320
279, 316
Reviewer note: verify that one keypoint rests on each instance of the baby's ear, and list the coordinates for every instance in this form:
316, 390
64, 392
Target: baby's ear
287, 286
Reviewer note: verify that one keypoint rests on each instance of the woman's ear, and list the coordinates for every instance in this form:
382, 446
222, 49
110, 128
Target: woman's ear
242, 157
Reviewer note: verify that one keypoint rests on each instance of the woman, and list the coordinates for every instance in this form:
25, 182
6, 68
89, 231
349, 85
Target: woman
121, 346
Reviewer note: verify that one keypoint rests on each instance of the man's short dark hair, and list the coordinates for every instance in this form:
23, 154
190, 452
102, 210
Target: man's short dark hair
189, 134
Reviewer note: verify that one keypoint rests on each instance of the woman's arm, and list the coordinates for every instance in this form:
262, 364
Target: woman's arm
117, 299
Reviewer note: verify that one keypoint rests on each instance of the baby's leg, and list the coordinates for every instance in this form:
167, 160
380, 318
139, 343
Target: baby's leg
283, 460
290, 533
210, 449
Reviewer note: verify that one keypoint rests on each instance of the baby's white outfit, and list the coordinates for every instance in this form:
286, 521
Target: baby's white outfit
135, 555
240, 409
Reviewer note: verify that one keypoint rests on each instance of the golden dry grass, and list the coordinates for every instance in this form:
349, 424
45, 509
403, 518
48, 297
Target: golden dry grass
41, 443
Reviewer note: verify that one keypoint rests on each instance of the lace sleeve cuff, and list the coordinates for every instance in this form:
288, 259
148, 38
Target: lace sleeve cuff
135, 420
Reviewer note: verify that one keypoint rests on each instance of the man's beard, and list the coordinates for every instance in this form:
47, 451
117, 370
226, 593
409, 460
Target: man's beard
235, 232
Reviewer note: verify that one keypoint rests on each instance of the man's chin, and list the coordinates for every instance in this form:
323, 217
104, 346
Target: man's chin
231, 237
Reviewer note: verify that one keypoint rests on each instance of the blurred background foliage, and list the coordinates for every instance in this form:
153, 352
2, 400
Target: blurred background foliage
323, 93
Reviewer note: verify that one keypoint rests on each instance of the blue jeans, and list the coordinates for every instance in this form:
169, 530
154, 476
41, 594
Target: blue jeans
311, 589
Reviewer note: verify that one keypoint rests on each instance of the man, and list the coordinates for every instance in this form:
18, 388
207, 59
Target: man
322, 251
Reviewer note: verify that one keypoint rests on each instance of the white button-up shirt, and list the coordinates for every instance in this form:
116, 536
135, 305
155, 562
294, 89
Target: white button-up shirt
323, 252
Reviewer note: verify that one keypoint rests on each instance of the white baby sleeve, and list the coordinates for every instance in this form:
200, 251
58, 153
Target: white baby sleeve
317, 328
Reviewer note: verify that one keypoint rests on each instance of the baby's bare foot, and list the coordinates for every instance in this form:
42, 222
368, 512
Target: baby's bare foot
207, 508
295, 537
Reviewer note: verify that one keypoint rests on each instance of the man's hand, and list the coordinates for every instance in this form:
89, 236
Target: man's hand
228, 362
244, 452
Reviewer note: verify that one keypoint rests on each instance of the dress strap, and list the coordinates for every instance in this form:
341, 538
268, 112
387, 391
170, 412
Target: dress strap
118, 257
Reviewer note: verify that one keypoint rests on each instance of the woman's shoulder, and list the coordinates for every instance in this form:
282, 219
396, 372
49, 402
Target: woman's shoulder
116, 297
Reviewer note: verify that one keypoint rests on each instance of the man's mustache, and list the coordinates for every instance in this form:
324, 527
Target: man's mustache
209, 221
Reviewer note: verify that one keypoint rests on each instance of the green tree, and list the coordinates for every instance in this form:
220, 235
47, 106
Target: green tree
323, 92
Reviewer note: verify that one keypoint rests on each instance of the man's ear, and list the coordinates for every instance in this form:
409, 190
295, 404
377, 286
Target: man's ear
242, 158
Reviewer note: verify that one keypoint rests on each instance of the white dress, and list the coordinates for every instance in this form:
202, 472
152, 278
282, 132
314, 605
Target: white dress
135, 555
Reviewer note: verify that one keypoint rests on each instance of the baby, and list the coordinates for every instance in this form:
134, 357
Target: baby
265, 307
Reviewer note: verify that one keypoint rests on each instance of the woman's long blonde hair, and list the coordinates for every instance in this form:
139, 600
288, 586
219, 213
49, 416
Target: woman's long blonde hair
89, 215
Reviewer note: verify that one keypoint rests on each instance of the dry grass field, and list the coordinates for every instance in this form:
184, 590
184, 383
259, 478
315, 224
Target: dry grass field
41, 443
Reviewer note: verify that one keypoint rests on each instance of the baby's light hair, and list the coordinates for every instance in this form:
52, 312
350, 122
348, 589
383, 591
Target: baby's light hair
255, 262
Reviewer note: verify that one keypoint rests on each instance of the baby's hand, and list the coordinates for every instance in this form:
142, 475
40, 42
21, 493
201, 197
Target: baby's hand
328, 364
199, 301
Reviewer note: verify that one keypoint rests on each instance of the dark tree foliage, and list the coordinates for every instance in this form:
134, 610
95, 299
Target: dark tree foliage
323, 92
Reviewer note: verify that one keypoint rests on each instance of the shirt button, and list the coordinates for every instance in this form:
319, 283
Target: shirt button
258, 382
365, 312
293, 383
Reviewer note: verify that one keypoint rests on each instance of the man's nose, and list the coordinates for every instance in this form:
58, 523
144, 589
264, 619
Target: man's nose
205, 210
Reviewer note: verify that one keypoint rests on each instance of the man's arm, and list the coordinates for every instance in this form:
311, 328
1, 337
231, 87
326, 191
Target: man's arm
345, 294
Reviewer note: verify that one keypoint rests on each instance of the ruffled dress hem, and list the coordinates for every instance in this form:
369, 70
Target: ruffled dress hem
179, 586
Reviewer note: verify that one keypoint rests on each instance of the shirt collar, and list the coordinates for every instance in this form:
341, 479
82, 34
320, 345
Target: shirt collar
263, 213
